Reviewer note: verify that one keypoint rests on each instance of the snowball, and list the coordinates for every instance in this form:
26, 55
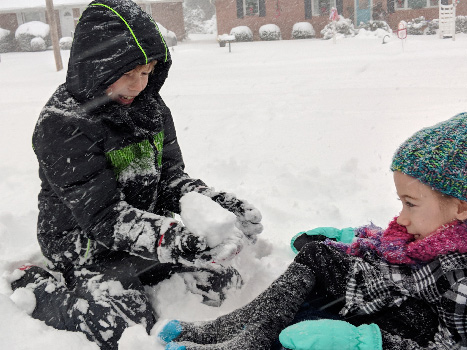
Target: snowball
205, 218
25, 299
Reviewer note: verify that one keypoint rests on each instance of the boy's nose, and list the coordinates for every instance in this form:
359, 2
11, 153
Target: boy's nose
137, 84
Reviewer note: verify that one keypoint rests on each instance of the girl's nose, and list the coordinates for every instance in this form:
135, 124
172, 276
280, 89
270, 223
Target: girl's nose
403, 220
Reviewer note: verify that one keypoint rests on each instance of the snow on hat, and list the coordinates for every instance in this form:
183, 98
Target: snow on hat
437, 157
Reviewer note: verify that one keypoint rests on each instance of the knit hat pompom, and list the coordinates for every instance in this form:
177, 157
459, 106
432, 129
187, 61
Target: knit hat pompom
437, 157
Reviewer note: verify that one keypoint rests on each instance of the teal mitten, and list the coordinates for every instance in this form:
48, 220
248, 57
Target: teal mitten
345, 235
331, 335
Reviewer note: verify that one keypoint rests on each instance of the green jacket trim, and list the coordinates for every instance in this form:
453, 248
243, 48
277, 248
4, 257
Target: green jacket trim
128, 26
139, 156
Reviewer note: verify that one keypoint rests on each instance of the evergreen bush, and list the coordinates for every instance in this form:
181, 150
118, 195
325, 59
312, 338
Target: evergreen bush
7, 41
26, 32
242, 33
461, 24
65, 43
344, 26
38, 44
270, 32
303, 30
373, 25
417, 26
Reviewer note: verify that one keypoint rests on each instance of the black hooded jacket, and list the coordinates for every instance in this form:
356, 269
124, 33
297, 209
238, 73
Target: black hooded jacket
108, 171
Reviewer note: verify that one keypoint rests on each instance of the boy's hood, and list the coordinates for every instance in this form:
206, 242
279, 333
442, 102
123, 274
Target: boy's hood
112, 38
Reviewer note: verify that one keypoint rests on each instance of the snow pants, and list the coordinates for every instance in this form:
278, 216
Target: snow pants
103, 299
414, 319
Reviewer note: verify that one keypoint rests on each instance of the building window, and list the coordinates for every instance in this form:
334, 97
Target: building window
415, 4
323, 7
251, 7
32, 16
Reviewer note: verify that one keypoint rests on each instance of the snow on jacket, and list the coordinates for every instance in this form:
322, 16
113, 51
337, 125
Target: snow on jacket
109, 172
374, 283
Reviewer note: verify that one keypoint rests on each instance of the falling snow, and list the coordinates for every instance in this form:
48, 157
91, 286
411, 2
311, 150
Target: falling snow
304, 130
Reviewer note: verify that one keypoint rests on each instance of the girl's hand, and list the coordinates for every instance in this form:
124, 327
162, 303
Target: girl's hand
331, 335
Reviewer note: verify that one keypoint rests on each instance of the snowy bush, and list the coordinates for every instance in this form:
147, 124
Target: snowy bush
378, 33
417, 26
6, 41
30, 30
38, 44
65, 43
303, 30
373, 25
269, 32
461, 24
242, 33
199, 17
432, 27
344, 26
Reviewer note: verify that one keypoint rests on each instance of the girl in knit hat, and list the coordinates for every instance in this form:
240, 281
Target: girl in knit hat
404, 287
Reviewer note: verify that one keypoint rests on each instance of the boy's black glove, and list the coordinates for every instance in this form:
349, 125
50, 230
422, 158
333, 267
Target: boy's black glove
248, 217
178, 245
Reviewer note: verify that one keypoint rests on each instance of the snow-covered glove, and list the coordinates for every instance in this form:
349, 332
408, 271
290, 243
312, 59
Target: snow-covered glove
213, 284
248, 217
331, 335
178, 245
345, 235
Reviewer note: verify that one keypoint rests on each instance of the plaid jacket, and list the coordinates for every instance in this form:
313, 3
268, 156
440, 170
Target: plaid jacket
374, 284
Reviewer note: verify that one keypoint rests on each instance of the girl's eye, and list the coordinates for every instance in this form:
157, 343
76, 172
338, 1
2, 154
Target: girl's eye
407, 203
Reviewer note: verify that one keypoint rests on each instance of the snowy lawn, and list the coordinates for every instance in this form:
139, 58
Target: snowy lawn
304, 130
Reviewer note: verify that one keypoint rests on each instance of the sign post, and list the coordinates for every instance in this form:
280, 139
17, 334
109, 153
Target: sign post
334, 16
54, 34
402, 32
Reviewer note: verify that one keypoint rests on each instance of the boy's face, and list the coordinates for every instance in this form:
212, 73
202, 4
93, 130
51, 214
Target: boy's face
125, 89
423, 209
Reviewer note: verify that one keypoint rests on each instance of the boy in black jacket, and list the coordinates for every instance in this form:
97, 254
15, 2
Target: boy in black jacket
112, 173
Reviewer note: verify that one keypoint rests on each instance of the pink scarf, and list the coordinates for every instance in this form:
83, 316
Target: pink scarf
397, 246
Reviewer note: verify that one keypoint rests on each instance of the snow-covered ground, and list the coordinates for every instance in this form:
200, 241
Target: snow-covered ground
304, 130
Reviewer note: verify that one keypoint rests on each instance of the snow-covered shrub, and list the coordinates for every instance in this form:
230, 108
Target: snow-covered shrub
417, 26
65, 43
303, 30
378, 33
30, 30
269, 32
6, 41
199, 16
210, 25
461, 24
242, 33
373, 25
432, 27
38, 44
344, 26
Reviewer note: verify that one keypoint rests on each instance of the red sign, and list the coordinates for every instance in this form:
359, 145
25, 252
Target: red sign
402, 30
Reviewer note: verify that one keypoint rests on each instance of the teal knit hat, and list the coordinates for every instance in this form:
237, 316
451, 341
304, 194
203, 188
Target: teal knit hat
437, 157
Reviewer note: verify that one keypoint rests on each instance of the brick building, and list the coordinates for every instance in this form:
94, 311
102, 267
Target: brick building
285, 13
13, 13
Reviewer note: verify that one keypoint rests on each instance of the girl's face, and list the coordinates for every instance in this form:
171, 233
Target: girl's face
125, 89
423, 209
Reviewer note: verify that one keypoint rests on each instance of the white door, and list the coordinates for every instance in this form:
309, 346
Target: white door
67, 23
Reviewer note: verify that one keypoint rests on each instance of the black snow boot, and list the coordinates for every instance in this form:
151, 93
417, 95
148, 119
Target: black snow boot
257, 324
